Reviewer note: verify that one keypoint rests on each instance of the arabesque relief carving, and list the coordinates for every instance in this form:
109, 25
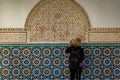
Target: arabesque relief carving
13, 35
104, 35
58, 21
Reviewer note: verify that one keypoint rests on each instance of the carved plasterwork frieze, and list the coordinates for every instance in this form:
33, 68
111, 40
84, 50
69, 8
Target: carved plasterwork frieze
56, 21
104, 35
107, 30
13, 35
12, 30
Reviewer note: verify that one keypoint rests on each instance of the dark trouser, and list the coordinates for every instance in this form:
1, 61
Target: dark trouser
75, 74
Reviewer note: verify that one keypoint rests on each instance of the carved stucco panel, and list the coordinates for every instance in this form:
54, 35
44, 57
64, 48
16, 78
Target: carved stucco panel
12, 37
56, 21
104, 37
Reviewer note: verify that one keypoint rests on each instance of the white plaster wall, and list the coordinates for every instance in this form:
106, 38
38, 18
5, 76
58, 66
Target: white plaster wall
102, 13
13, 13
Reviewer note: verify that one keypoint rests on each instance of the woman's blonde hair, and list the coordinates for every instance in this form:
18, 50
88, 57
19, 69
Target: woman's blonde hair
75, 42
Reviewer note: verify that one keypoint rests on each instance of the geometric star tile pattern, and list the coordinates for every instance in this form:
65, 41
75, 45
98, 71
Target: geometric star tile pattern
49, 62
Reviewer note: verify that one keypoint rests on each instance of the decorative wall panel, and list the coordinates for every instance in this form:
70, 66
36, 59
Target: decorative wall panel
57, 21
13, 37
49, 62
104, 35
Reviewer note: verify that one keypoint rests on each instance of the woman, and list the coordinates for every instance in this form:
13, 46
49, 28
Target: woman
75, 46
